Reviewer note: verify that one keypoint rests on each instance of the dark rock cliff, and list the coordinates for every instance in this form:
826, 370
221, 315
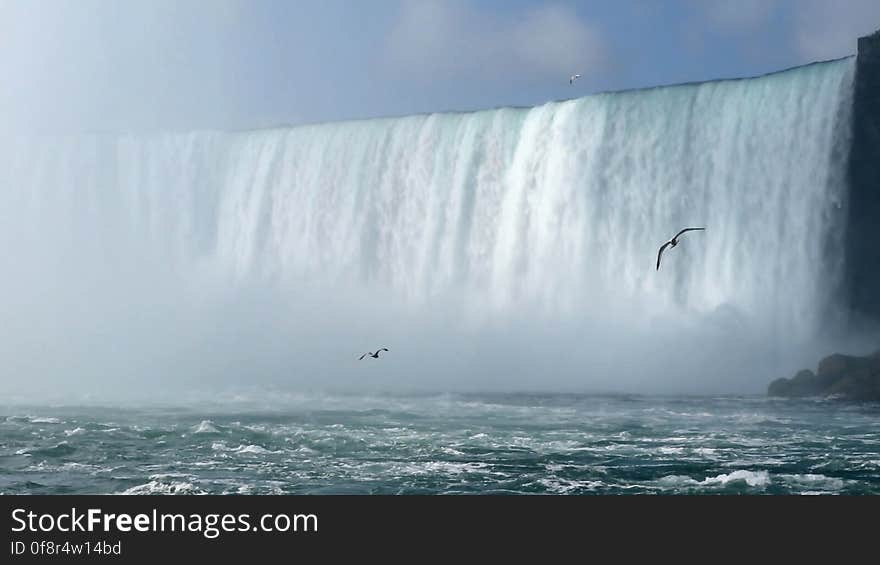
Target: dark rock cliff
863, 235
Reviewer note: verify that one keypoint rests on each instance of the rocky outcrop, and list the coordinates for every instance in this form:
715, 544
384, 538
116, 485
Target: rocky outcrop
844, 376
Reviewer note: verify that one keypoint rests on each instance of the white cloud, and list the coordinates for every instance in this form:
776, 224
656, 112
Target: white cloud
825, 29
457, 40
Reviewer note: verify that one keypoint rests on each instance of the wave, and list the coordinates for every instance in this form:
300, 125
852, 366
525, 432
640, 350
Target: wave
163, 487
206, 427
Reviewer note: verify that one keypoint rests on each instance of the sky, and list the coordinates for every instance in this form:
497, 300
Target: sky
243, 64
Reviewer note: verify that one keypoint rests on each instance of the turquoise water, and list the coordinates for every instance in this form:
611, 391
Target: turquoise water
445, 444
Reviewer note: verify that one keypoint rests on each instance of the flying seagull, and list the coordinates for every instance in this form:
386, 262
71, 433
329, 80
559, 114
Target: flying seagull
573, 78
373, 355
673, 242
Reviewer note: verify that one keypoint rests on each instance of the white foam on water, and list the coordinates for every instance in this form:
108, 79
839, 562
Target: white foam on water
751, 478
163, 487
758, 479
677, 481
206, 427
563, 486
816, 481
254, 450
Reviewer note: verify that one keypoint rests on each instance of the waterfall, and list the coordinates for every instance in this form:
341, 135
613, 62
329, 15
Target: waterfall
549, 215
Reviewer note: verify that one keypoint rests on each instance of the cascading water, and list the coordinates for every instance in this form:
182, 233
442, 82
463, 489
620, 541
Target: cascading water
521, 234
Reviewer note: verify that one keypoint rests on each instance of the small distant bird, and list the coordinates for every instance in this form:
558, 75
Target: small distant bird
373, 355
673, 242
573, 78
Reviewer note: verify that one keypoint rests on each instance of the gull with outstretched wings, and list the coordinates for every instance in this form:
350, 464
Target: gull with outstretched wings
373, 355
673, 242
